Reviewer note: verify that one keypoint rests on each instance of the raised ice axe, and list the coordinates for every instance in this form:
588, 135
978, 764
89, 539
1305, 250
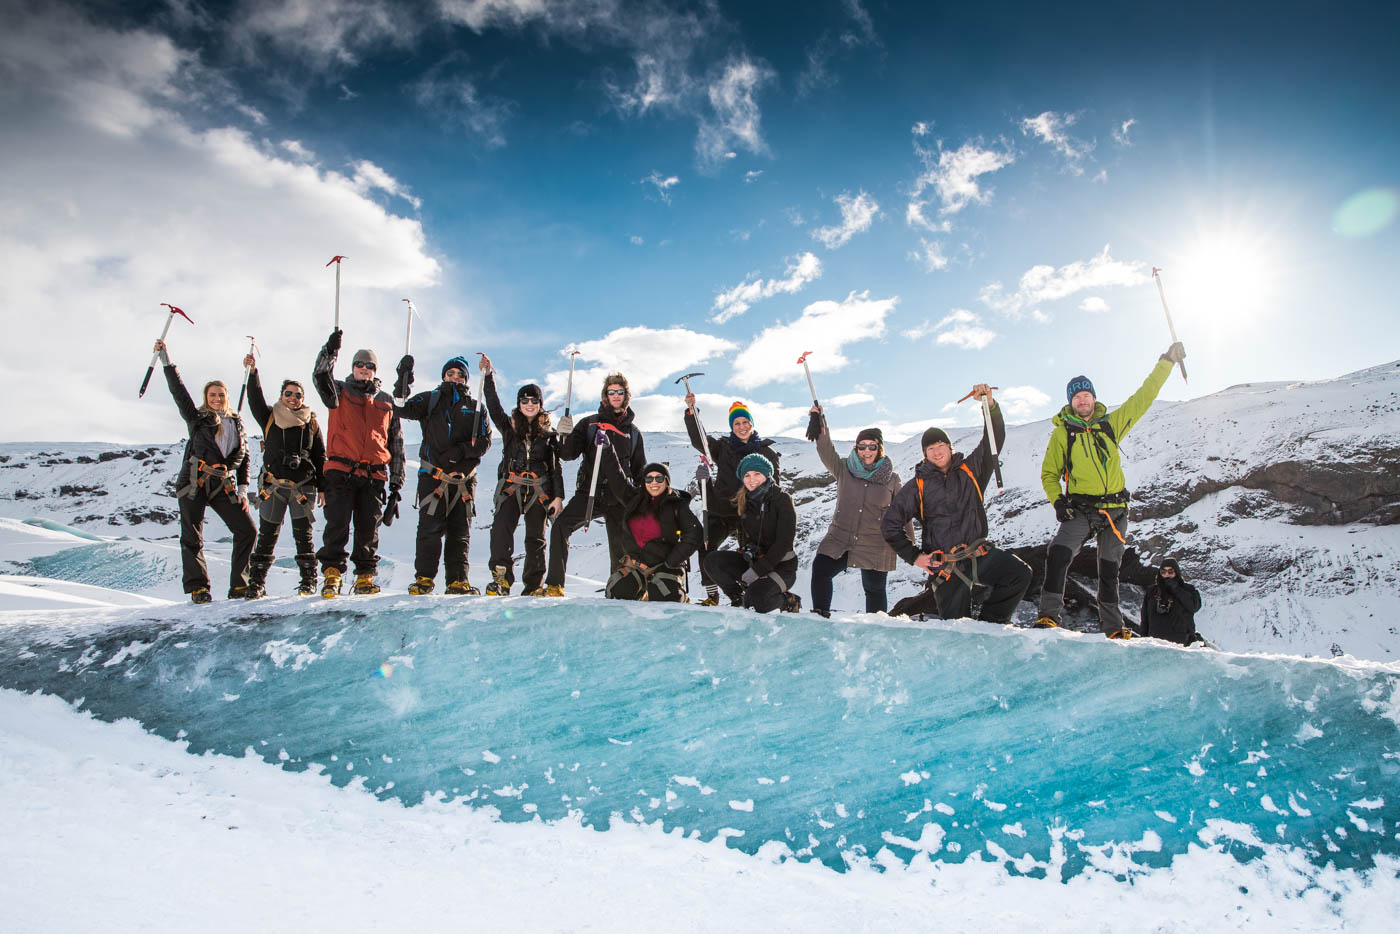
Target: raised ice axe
1156, 275
991, 434
803, 360
569, 396
156, 356
247, 370
705, 457
336, 260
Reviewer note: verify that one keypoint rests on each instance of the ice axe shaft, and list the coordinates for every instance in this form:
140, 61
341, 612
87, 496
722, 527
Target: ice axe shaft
247, 371
156, 356
992, 441
336, 260
569, 396
1157, 277
408, 333
597, 469
480, 398
806, 369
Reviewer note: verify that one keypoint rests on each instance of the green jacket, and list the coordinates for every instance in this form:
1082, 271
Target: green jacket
1095, 468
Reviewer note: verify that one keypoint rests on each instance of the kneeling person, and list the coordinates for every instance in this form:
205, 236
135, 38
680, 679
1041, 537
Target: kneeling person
662, 535
760, 575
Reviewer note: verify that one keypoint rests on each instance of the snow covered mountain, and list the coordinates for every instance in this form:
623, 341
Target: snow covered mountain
1281, 500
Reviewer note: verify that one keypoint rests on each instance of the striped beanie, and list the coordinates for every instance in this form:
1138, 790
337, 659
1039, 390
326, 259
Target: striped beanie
755, 462
738, 410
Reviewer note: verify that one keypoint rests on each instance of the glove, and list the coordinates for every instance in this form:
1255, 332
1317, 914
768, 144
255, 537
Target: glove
749, 577
391, 508
702, 473
1175, 353
600, 436
405, 381
1063, 510
333, 342
566, 424
814, 426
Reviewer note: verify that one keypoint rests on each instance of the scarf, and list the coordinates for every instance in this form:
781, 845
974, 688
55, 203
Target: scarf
291, 418
741, 448
878, 472
759, 495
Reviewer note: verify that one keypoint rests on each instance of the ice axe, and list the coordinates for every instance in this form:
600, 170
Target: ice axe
991, 434
597, 469
156, 356
407, 344
803, 360
336, 260
705, 458
1156, 275
569, 396
243, 390
480, 397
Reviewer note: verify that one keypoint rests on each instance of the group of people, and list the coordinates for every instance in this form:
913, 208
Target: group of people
355, 473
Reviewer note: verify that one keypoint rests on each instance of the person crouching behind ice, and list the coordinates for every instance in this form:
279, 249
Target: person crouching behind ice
760, 575
662, 535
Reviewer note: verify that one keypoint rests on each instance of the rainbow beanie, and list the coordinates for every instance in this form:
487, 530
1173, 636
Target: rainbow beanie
738, 410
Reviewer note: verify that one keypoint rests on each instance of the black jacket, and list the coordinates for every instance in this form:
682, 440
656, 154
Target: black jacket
449, 416
727, 451
628, 446
1169, 610
952, 513
536, 450
681, 535
768, 531
202, 426
304, 441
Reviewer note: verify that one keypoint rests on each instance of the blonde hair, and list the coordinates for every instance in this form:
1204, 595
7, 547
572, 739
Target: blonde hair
204, 396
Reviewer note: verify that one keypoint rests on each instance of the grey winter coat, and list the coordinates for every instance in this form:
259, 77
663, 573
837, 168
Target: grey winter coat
860, 505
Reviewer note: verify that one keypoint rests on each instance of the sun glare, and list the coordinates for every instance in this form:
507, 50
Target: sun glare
1224, 277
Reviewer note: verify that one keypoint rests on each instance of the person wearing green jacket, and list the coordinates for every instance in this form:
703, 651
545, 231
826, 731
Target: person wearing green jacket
1083, 454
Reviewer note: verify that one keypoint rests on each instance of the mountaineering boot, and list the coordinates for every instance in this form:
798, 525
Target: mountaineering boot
308, 581
331, 587
792, 603
1122, 634
239, 592
201, 596
1046, 622
364, 584
255, 591
499, 586
463, 587
421, 586
711, 600
552, 590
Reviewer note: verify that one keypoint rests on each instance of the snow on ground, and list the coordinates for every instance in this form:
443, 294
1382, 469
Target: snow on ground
108, 828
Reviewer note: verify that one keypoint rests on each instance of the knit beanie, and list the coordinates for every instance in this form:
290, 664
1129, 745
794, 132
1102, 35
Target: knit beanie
739, 410
870, 434
755, 462
529, 389
458, 362
655, 467
365, 356
933, 436
1077, 385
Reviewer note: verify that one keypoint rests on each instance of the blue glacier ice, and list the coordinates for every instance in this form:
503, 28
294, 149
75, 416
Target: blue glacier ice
801, 737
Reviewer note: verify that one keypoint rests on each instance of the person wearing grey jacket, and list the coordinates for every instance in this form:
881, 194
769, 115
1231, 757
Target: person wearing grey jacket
865, 484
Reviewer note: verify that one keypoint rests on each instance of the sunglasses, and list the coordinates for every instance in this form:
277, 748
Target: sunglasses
289, 394
617, 392
868, 446
655, 478
529, 400
365, 366
1168, 572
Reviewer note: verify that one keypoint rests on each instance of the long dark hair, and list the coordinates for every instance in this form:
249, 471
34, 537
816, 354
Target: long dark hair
536, 427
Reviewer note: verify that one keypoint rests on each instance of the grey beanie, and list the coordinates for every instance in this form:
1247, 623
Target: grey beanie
365, 356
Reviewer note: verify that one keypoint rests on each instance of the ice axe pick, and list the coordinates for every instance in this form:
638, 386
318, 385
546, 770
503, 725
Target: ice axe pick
156, 356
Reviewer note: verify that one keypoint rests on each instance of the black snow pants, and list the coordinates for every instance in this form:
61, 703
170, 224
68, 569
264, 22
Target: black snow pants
1001, 577
351, 499
765, 594
240, 523
268, 533
571, 520
503, 540
441, 531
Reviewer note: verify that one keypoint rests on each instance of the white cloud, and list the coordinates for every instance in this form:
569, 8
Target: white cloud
664, 412
1053, 129
1047, 284
458, 101
324, 33
1021, 402
857, 214
234, 228
930, 255
752, 176
635, 240
662, 184
963, 329
801, 270
952, 176
824, 327
370, 177
646, 356
734, 118
1122, 135
1094, 305
850, 398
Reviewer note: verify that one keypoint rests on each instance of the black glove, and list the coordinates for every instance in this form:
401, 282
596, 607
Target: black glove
404, 383
391, 508
1063, 510
814, 426
702, 473
1175, 353
333, 342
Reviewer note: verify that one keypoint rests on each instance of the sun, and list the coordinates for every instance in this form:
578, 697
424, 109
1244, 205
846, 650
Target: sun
1224, 276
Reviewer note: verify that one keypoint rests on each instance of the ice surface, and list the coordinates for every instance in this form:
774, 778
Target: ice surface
828, 740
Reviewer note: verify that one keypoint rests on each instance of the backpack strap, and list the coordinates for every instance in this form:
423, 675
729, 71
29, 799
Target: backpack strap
977, 486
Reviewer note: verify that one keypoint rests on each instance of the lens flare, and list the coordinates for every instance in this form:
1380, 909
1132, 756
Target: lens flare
385, 670
1367, 212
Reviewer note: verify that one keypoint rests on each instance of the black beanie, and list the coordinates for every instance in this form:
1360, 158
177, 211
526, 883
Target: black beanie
656, 467
935, 435
870, 434
458, 362
529, 389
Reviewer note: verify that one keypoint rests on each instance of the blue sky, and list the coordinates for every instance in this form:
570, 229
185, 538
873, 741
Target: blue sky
923, 195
